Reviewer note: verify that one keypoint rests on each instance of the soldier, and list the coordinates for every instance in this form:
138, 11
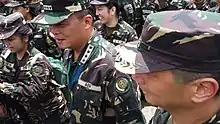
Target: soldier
177, 67
3, 9
198, 5
217, 8
113, 28
42, 40
101, 95
131, 12
178, 4
26, 76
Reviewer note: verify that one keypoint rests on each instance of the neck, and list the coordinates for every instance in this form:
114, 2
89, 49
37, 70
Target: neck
77, 51
113, 22
194, 115
21, 53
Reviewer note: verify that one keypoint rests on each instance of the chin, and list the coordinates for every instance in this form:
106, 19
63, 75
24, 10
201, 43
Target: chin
12, 50
62, 46
103, 21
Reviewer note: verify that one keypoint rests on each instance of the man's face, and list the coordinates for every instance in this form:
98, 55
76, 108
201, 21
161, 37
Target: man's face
68, 32
103, 13
15, 43
162, 89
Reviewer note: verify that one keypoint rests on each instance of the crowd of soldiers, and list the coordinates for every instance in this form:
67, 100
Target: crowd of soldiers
85, 61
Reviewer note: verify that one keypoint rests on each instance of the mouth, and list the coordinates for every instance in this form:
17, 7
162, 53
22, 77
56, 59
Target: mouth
59, 41
10, 47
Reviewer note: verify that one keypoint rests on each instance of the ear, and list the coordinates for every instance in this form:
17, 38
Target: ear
204, 89
25, 38
88, 21
113, 10
27, 9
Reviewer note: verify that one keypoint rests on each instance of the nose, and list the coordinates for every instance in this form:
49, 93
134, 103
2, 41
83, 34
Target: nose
53, 29
138, 78
96, 12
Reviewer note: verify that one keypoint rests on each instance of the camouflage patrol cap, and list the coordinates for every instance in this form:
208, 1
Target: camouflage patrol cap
186, 39
10, 24
56, 11
14, 3
99, 2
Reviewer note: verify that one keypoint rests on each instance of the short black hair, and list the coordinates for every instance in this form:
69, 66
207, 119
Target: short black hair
110, 4
186, 76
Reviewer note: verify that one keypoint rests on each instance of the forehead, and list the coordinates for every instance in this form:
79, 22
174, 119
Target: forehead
100, 6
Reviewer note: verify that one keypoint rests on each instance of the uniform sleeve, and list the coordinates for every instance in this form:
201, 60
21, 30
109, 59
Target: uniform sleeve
28, 90
132, 36
123, 99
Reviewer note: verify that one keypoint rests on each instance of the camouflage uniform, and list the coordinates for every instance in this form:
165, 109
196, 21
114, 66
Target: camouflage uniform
163, 117
41, 39
121, 33
163, 47
3, 9
44, 42
151, 6
203, 5
101, 95
215, 9
131, 13
35, 94
29, 81
178, 4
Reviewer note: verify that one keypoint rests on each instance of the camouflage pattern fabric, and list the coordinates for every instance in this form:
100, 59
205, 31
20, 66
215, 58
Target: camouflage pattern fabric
161, 117
100, 93
138, 57
44, 42
148, 7
203, 5
215, 9
3, 9
178, 4
28, 82
121, 33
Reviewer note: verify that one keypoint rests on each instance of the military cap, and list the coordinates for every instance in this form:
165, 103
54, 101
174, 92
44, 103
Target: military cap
186, 39
56, 11
10, 24
99, 2
14, 3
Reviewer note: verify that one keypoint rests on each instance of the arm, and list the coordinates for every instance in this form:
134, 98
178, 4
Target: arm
132, 36
27, 90
122, 98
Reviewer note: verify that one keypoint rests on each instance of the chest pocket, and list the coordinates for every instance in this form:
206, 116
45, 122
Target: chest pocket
87, 102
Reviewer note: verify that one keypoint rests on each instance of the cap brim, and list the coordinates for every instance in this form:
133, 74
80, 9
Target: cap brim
131, 61
6, 34
97, 3
13, 4
50, 18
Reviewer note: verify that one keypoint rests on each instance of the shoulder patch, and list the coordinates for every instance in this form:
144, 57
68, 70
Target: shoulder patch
122, 85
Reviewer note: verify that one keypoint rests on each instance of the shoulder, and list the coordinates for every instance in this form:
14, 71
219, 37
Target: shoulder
125, 26
160, 117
